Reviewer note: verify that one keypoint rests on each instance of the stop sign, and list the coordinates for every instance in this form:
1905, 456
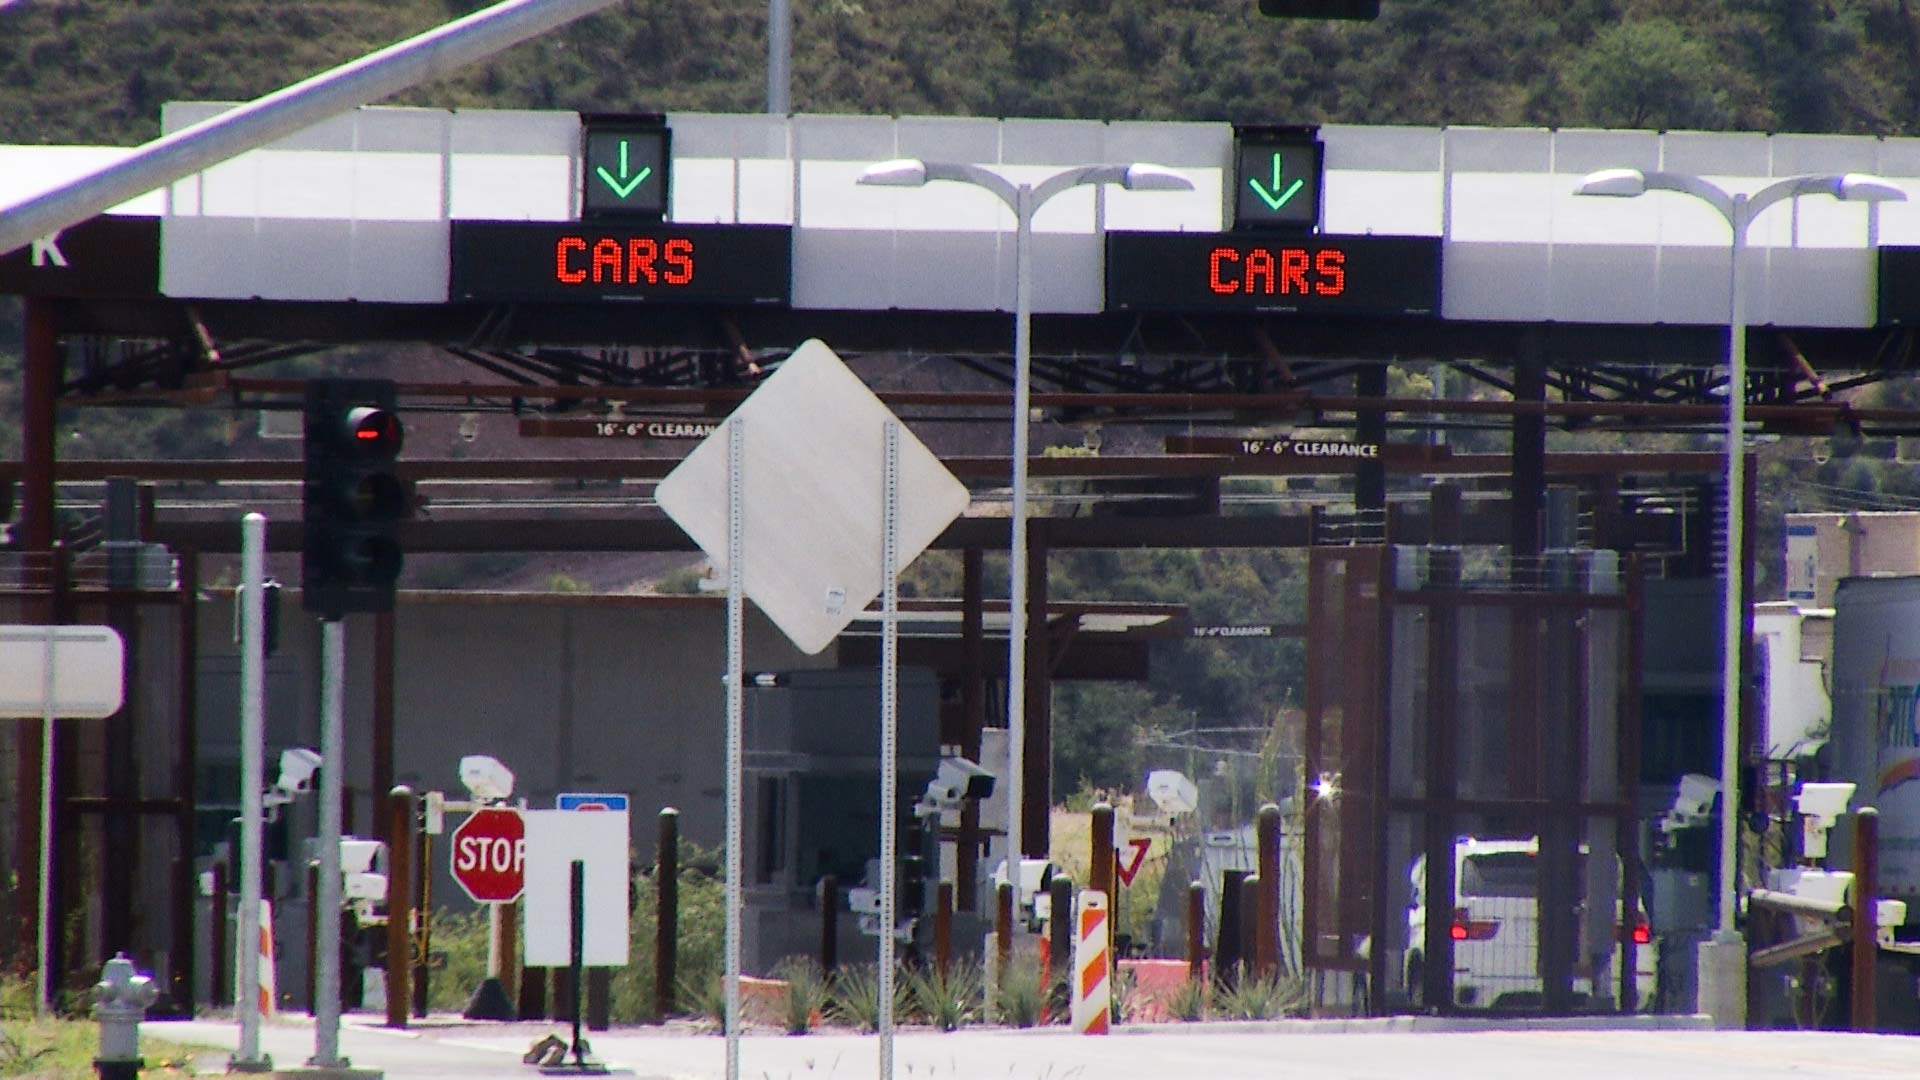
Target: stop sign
490, 855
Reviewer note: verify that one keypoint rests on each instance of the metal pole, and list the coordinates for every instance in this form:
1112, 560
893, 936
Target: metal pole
253, 636
1017, 549
779, 57
889, 729
333, 762
1730, 643
418, 59
45, 892
736, 671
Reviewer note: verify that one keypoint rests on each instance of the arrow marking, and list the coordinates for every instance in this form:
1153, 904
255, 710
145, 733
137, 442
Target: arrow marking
626, 189
1273, 201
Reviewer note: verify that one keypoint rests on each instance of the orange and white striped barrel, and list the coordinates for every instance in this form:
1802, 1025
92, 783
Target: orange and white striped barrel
1092, 982
267, 988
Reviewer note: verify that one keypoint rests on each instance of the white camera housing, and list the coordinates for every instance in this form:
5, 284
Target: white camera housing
956, 781
1692, 803
485, 778
297, 769
1820, 806
1823, 801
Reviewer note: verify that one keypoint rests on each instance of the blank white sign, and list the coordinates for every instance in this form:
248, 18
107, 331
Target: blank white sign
89, 671
555, 839
814, 463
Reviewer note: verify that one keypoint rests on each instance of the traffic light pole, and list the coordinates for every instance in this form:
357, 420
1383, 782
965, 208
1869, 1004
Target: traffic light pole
326, 900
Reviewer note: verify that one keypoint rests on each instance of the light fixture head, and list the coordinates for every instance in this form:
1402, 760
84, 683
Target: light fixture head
1141, 176
1861, 187
900, 172
1620, 183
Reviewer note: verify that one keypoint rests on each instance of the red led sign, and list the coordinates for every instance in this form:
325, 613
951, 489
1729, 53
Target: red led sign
1357, 275
499, 260
609, 261
1291, 270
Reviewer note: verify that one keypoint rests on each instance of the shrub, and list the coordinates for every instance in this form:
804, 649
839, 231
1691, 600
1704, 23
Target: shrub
947, 999
1020, 998
1189, 1002
806, 992
1256, 997
856, 997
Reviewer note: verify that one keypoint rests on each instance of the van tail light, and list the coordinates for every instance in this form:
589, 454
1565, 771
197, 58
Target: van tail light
1642, 933
1466, 928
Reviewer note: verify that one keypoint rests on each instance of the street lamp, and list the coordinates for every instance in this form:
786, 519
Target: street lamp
1739, 209
1024, 200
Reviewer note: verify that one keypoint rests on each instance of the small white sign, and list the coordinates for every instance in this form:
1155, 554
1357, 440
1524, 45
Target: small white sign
1803, 562
89, 671
555, 839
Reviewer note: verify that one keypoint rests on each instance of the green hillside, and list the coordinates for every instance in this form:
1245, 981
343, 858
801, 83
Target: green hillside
96, 71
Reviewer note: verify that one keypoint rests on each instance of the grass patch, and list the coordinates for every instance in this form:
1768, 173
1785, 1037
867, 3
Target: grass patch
61, 1049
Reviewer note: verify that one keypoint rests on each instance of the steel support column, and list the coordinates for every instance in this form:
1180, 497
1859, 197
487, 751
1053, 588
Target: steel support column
1037, 778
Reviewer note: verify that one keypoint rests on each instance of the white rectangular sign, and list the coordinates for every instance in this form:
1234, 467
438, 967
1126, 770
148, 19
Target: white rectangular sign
89, 671
555, 839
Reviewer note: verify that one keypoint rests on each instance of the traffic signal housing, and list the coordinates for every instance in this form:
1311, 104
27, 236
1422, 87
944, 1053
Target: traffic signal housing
1320, 9
354, 499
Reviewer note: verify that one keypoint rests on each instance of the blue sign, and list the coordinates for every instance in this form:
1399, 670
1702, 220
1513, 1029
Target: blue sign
588, 800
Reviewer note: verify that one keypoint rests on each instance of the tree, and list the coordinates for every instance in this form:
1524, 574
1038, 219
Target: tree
1651, 73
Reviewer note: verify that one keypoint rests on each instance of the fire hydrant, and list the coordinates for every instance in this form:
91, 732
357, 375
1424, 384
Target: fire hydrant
120, 1002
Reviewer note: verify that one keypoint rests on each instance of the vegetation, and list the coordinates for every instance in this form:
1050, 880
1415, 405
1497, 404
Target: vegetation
63, 1047
100, 72
1257, 997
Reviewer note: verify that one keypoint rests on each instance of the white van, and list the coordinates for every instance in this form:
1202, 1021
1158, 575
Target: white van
1495, 931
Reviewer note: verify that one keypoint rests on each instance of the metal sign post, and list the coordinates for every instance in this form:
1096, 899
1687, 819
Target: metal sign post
326, 902
889, 731
736, 672
253, 637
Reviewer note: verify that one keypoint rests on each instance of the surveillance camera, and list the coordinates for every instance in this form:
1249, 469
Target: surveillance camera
297, 769
965, 779
1823, 801
956, 781
485, 778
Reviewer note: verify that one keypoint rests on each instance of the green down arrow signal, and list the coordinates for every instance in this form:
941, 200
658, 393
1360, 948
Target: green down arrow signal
1274, 197
624, 186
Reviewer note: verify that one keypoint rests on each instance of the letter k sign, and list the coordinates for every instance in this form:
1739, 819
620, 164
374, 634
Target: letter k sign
46, 252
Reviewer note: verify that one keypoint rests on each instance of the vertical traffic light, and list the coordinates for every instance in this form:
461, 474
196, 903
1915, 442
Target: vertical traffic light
354, 500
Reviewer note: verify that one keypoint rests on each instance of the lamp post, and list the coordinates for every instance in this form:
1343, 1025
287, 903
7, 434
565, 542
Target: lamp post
1024, 200
1722, 961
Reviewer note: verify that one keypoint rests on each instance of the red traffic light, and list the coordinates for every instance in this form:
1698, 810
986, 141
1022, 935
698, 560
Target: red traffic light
374, 431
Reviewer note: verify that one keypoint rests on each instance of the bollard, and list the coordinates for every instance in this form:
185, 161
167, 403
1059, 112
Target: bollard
1227, 958
1003, 928
667, 912
1250, 927
222, 955
829, 923
1060, 944
943, 928
120, 999
399, 904
1866, 944
1101, 876
1196, 931
1266, 946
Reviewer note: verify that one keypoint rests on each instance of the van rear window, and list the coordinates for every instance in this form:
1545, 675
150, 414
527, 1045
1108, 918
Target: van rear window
1506, 873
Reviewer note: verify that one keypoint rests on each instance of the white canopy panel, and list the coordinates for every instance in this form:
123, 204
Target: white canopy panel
357, 208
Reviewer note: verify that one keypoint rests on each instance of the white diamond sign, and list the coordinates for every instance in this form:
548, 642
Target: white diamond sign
813, 499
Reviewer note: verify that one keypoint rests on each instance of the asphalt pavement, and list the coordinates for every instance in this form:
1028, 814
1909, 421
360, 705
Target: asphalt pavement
1402, 1049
